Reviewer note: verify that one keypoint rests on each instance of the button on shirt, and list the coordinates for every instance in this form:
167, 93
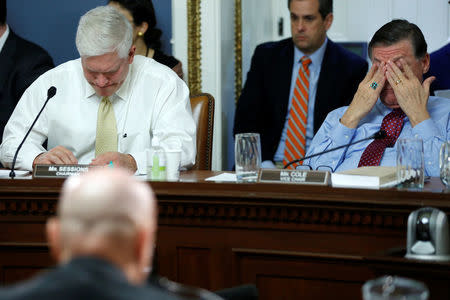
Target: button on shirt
314, 72
332, 133
152, 101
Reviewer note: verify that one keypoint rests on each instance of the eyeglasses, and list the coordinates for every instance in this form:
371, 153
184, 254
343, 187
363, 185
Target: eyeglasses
318, 168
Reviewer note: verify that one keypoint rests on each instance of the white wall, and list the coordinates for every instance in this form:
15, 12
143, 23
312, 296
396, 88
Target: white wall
217, 66
357, 20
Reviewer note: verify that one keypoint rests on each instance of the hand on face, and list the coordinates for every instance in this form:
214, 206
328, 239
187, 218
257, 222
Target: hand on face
366, 96
118, 159
56, 156
411, 95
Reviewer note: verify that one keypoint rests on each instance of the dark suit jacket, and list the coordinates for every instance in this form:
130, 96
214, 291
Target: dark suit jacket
440, 67
83, 278
21, 62
264, 101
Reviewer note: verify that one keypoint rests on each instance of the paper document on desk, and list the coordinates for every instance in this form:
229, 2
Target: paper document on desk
19, 173
366, 178
224, 177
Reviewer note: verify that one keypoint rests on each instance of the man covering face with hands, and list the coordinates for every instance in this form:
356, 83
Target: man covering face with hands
392, 97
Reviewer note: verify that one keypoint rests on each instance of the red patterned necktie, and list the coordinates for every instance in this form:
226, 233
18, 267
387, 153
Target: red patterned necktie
298, 114
392, 124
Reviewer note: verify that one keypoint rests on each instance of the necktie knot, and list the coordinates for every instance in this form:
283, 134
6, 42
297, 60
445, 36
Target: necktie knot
305, 61
398, 113
392, 124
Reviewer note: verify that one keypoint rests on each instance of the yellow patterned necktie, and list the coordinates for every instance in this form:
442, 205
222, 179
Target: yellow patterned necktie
106, 138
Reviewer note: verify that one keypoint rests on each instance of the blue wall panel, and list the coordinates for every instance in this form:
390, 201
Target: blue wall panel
163, 10
52, 24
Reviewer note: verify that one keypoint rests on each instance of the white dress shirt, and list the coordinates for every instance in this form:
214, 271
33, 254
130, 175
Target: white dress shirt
152, 101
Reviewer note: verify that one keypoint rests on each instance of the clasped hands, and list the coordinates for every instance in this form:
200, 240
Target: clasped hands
411, 94
61, 155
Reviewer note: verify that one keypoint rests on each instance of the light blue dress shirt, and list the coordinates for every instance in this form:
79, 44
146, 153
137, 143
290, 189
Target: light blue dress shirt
314, 72
332, 133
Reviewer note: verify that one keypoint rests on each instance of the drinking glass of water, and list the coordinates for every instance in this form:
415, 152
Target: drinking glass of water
394, 288
444, 163
247, 151
410, 163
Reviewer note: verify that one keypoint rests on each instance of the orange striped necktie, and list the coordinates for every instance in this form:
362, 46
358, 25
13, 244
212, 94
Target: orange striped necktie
295, 147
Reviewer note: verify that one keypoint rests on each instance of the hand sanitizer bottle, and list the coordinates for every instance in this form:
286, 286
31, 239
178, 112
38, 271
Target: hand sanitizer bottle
158, 171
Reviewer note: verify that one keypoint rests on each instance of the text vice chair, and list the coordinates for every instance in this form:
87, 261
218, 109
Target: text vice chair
203, 112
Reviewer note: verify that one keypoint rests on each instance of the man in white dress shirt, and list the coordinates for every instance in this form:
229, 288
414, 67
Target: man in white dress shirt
144, 98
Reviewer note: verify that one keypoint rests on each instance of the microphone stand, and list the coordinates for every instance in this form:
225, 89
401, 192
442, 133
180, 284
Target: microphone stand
377, 135
50, 93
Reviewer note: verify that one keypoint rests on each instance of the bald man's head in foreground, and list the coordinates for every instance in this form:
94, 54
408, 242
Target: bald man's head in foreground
106, 213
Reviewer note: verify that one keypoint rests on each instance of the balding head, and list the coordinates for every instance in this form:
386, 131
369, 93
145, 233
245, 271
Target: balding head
107, 213
106, 195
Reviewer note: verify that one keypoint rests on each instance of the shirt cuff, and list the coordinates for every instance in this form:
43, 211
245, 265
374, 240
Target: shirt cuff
342, 135
425, 130
268, 164
25, 160
141, 162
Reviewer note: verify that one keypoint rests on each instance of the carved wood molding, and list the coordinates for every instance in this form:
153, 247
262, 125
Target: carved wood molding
20, 207
291, 216
194, 46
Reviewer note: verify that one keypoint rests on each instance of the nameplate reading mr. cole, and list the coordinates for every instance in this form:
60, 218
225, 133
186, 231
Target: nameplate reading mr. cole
58, 171
294, 176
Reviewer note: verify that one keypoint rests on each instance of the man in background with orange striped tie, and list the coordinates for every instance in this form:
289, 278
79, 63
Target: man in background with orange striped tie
294, 83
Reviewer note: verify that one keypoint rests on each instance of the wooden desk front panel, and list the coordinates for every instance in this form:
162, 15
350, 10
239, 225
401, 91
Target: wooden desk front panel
289, 240
221, 235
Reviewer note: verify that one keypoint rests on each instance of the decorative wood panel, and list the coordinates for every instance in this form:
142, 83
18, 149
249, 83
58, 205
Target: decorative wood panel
294, 275
193, 265
287, 239
21, 261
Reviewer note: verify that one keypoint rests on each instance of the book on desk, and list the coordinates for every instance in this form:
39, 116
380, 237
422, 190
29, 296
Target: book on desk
374, 177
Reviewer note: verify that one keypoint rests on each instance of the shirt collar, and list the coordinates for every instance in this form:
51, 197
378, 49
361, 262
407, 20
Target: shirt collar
316, 57
381, 108
4, 37
122, 93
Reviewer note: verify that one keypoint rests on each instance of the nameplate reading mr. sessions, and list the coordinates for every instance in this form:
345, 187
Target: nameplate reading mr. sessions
58, 171
294, 176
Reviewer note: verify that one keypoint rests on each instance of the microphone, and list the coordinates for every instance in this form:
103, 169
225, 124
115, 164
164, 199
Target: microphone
50, 93
379, 135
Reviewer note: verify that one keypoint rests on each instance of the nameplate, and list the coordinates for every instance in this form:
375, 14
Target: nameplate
294, 176
58, 171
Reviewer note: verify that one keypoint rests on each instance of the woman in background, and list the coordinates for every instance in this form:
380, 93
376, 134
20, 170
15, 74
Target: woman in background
146, 37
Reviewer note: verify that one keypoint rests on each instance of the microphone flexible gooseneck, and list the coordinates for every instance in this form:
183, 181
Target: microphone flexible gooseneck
50, 93
379, 135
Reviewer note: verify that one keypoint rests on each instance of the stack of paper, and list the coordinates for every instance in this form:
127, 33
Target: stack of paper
366, 177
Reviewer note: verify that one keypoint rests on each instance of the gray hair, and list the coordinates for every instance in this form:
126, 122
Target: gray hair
104, 30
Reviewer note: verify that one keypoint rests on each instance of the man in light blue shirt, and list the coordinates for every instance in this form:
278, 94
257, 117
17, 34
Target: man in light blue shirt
399, 55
